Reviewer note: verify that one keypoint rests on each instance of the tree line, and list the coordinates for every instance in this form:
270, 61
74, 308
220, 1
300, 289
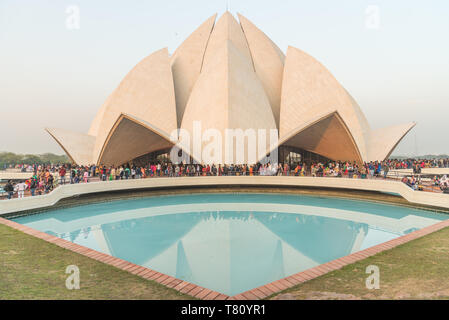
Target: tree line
424, 157
10, 158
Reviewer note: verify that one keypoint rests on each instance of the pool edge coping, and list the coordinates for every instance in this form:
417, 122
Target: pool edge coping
202, 293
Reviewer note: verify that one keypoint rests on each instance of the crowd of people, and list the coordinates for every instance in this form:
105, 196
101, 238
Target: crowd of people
442, 182
422, 163
46, 177
41, 182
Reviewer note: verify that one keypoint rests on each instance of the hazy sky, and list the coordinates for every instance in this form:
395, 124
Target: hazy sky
392, 56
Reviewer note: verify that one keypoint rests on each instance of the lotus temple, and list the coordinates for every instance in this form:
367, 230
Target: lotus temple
226, 237
229, 75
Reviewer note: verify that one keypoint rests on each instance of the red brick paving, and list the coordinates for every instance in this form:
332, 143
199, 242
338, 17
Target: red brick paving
203, 293
161, 278
280, 284
266, 290
292, 280
272, 287
195, 291
212, 295
144, 272
181, 285
174, 283
258, 293
250, 296
139, 270
167, 281
188, 288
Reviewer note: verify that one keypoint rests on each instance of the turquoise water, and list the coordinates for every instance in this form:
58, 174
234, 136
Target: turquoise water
231, 243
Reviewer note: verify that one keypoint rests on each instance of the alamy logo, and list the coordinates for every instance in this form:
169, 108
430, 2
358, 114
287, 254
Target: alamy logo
72, 21
238, 146
373, 281
372, 19
72, 281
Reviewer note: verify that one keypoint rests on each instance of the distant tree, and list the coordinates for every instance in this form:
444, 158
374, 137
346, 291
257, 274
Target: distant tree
10, 158
30, 159
427, 156
50, 158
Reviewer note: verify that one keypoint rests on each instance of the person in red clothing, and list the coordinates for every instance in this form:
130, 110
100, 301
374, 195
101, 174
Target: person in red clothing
62, 173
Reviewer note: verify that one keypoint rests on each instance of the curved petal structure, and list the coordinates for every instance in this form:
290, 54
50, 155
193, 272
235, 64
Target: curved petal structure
186, 64
228, 95
307, 89
146, 93
363, 122
229, 78
226, 28
384, 141
326, 134
77, 146
131, 138
96, 123
268, 62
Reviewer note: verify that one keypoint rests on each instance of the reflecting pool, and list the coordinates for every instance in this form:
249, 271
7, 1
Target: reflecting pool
231, 243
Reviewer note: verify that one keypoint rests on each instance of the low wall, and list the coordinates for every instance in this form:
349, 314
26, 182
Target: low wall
428, 199
5, 175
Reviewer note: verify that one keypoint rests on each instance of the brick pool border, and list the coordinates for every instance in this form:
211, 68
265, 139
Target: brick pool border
207, 294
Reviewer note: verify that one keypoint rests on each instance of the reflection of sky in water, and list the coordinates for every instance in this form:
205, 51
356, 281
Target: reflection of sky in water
375, 236
231, 242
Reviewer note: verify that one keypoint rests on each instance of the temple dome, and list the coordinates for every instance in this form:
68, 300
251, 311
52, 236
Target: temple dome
229, 75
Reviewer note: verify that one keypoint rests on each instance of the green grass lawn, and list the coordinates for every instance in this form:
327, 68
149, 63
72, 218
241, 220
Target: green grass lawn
31, 268
418, 269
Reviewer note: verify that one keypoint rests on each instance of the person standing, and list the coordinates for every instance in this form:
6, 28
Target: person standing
103, 173
33, 185
127, 172
21, 187
111, 174
50, 182
73, 175
62, 173
9, 188
386, 169
371, 169
133, 173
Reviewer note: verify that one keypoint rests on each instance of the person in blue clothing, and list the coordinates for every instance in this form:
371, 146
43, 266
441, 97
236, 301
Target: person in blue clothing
371, 169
